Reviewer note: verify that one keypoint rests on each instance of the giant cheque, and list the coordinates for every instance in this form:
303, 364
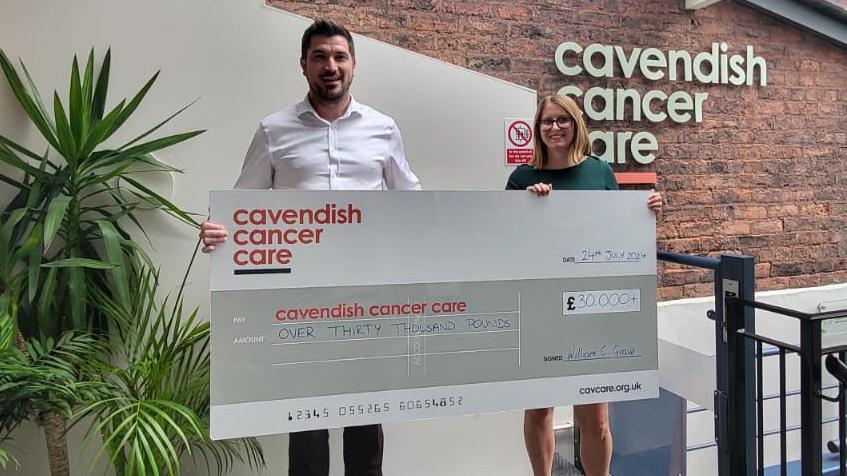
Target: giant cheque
333, 309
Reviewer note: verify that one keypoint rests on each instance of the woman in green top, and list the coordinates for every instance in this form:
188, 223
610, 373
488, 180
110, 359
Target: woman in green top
562, 161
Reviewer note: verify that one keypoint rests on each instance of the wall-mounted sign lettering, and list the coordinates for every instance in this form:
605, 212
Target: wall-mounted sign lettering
716, 67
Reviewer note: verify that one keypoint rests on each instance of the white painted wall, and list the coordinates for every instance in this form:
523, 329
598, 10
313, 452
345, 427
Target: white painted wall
241, 59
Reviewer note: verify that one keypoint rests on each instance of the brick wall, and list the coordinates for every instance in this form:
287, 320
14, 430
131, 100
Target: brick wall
765, 173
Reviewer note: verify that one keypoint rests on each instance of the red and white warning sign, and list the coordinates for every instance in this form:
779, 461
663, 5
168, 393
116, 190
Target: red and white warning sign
519, 141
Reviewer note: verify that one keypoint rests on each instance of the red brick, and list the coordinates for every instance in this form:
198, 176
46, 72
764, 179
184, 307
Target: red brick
703, 289
683, 245
680, 277
464, 8
767, 226
781, 211
750, 212
735, 228
516, 11
671, 293
807, 281
768, 284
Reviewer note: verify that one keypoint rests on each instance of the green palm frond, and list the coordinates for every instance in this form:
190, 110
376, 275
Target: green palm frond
7, 330
7, 460
158, 405
48, 377
222, 456
79, 183
145, 435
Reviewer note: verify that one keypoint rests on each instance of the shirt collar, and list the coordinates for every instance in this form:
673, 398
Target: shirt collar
305, 107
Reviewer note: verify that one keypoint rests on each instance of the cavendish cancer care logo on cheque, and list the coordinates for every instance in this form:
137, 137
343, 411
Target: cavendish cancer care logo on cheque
269, 237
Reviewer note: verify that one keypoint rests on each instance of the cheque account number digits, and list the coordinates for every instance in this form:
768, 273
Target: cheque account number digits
424, 403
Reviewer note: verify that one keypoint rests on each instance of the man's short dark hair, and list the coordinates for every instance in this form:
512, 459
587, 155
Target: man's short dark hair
327, 28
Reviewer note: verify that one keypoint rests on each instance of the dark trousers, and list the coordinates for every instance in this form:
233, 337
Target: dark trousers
308, 452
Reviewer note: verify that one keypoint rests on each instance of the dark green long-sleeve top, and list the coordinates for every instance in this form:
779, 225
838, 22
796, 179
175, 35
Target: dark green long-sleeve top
590, 174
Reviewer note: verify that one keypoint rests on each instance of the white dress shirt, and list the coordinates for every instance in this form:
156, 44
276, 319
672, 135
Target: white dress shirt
296, 148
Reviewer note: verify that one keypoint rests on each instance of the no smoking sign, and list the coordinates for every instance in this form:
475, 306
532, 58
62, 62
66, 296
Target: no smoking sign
519, 141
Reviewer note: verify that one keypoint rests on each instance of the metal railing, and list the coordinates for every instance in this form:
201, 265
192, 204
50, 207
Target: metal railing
810, 352
739, 396
734, 276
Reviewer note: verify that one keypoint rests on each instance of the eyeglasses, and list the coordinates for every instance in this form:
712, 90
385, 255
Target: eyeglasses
563, 122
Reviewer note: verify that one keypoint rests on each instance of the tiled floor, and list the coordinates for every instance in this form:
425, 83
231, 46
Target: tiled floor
562, 467
563, 459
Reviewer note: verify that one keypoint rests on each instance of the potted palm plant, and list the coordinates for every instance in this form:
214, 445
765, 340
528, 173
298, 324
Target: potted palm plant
66, 250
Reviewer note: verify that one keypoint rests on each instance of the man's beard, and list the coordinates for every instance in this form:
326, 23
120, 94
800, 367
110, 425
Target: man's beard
325, 95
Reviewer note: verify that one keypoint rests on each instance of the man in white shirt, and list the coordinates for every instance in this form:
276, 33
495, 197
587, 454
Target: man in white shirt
326, 142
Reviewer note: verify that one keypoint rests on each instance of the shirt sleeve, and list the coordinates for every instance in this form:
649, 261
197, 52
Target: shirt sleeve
398, 174
257, 170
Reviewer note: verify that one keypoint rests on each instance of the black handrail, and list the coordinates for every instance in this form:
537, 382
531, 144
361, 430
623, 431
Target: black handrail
689, 260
